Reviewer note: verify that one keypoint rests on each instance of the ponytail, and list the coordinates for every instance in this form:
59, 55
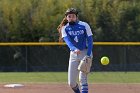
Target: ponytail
59, 28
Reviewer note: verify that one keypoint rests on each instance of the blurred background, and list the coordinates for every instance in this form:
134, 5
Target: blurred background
37, 21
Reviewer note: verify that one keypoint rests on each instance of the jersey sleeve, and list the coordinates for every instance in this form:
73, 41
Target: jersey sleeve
89, 39
67, 39
90, 45
88, 30
70, 45
64, 34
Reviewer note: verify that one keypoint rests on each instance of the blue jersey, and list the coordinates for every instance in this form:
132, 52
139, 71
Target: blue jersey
77, 35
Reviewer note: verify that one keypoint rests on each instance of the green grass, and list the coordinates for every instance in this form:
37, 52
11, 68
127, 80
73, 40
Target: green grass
61, 77
114, 77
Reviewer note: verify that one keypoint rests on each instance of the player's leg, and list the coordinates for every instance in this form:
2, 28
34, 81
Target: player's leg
72, 76
73, 73
83, 82
83, 76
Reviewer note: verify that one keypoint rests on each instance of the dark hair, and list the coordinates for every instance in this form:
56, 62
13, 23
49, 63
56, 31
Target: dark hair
59, 28
71, 11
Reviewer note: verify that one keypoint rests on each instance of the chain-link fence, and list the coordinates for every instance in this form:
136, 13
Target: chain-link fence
55, 58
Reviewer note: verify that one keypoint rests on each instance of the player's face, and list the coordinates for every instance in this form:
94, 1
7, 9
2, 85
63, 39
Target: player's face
71, 17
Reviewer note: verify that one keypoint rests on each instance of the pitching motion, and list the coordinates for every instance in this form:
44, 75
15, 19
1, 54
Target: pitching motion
104, 60
78, 37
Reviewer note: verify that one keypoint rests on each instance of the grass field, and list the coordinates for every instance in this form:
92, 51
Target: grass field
61, 77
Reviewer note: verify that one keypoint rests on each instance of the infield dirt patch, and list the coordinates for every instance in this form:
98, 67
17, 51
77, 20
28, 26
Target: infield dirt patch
64, 88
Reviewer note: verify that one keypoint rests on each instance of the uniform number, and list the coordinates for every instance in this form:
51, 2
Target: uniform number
76, 39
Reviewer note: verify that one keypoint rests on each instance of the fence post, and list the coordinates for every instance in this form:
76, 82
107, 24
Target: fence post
125, 59
26, 58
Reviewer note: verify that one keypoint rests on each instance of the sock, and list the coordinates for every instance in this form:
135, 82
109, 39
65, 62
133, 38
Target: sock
84, 88
76, 89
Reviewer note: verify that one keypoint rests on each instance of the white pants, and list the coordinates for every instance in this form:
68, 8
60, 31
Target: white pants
73, 71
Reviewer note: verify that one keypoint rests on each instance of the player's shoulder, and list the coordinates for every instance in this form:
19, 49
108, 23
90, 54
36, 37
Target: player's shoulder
83, 23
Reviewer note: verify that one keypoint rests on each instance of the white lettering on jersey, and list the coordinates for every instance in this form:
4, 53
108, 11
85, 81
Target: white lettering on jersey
80, 32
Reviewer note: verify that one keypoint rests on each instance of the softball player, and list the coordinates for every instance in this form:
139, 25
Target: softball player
78, 37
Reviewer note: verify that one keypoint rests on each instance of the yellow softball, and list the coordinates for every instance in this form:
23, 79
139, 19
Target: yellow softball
104, 60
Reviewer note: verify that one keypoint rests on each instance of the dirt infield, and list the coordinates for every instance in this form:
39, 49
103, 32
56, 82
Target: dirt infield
64, 88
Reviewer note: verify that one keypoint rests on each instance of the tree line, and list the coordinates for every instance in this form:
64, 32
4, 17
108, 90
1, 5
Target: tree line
37, 20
